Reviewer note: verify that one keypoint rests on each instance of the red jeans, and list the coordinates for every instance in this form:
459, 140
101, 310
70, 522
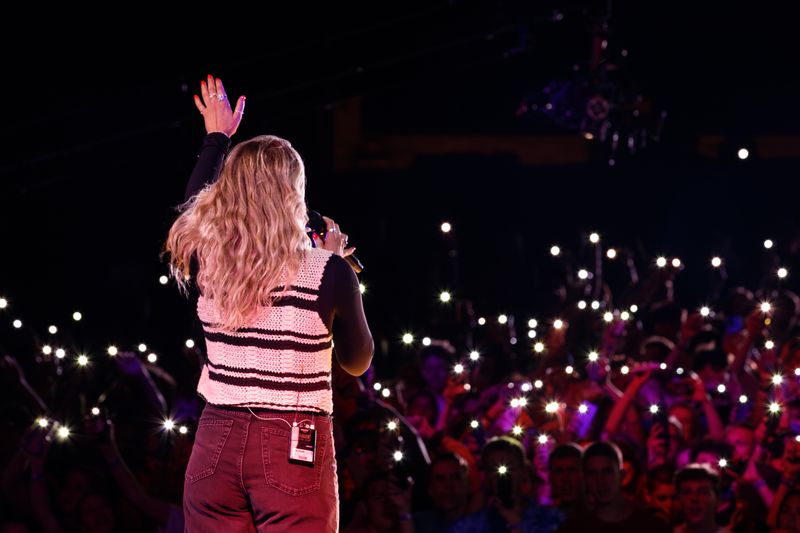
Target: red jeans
239, 477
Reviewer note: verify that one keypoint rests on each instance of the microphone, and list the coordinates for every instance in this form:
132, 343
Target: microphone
316, 224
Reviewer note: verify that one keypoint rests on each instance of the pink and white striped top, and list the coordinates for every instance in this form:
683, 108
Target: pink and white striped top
281, 359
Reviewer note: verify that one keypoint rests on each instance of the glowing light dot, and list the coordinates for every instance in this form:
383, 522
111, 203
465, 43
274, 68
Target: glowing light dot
95, 411
558, 323
163, 280
152, 358
183, 430
705, 311
766, 307
774, 408
514, 403
169, 425
481, 321
676, 262
47, 350
467, 387
112, 351
386, 393
446, 227
716, 262
769, 345
742, 399
52, 330
743, 153
797, 438
502, 319
143, 347
555, 251
474, 424
608, 316
661, 262
611, 253
362, 288
654, 408
532, 334
502, 470
594, 238
3, 303
426, 341
189, 343
532, 323
568, 369
595, 305
538, 384
625, 369
624, 315
458, 368
768, 244
538, 347
551, 407
17, 324
634, 308
723, 463
517, 430
43, 422
398, 456
797, 371
777, 379
582, 304
782, 272
444, 296
408, 338
83, 360
542, 439
593, 357
663, 366
523, 401
63, 433
60, 353
77, 316
721, 388
391, 426
526, 387
377, 386
583, 273
583, 408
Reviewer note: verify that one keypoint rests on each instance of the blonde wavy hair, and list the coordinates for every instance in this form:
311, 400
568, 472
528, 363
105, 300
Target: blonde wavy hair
246, 230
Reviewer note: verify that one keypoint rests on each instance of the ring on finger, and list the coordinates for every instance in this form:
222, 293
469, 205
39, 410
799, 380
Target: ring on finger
220, 97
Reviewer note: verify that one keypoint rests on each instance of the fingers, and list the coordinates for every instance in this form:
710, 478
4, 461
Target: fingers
240, 107
199, 104
204, 92
221, 94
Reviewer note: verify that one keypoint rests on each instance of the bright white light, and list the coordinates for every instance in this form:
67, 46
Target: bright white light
163, 280
625, 369
716, 262
583, 408
502, 319
526, 387
624, 315
95, 411
458, 368
595, 305
481, 321
152, 358
594, 238
542, 439
661, 262
502, 470
766, 307
183, 430
377, 386
76, 316
112, 351
676, 262
538, 384
47, 350
558, 323
398, 456
83, 360
774, 408
143, 347
474, 355
611, 253
608, 316
583, 273
17, 324
63, 432
593, 357
391, 425
43, 422
742, 399
551, 407
523, 401
408, 338
769, 345
474, 424
743, 153
782, 272
777, 379
663, 366
189, 343
446, 227
169, 425
532, 334
538, 347
444, 296
386, 393
426, 341
3, 303
721, 388
568, 369
723, 463
555, 251
679, 371
517, 430
52, 330
362, 288
768, 244
797, 371
654, 408
532, 323
705, 311
60, 353
582, 305
634, 308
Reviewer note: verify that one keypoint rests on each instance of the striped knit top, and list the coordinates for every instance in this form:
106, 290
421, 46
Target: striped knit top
281, 359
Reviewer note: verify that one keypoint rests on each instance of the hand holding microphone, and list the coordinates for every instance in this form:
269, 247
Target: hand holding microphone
332, 239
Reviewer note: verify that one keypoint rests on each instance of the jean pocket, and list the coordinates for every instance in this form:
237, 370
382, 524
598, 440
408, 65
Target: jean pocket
208, 444
293, 479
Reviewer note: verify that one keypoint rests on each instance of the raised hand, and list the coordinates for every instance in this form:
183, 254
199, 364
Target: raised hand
213, 104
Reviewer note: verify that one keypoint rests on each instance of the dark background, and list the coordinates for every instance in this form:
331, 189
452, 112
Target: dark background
99, 134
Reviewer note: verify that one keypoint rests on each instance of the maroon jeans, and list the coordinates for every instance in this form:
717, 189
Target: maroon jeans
239, 477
